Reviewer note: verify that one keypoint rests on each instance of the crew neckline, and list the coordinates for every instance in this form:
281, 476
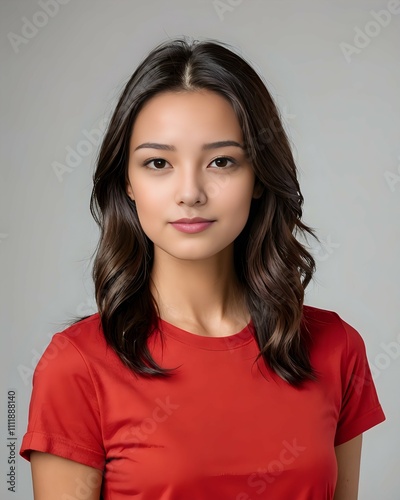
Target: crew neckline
227, 343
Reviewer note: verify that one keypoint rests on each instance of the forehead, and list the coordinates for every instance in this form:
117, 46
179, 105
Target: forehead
194, 115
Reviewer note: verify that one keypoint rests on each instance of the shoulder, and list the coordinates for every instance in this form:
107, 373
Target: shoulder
86, 336
65, 406
74, 349
320, 317
329, 331
89, 325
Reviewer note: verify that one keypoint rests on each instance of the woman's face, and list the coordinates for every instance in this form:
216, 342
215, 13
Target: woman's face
187, 160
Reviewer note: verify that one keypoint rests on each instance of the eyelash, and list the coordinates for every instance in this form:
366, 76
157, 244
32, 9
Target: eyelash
234, 162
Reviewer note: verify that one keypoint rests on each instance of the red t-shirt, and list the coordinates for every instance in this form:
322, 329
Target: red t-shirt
219, 429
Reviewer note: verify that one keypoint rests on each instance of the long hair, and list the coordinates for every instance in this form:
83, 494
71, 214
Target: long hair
273, 267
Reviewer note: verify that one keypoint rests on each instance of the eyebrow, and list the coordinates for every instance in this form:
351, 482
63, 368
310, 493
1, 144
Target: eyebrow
205, 147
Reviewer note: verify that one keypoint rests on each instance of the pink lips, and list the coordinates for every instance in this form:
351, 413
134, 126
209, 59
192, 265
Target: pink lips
194, 225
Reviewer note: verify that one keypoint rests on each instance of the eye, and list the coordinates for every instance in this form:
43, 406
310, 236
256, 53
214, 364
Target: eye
158, 163
222, 162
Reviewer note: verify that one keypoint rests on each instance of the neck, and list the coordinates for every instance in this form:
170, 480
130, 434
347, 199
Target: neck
202, 292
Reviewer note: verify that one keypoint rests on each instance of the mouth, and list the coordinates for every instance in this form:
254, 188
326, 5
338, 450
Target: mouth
191, 221
192, 226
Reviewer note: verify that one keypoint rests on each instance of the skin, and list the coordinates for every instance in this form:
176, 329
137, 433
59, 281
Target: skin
348, 457
56, 478
193, 277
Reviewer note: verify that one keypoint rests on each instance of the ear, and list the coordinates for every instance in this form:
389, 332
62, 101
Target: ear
258, 189
129, 191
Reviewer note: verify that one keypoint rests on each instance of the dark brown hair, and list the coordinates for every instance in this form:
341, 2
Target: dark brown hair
273, 267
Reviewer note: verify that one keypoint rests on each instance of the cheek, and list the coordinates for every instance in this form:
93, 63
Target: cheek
240, 213
236, 199
149, 200
146, 211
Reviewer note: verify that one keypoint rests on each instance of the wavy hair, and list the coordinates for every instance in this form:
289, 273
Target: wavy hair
273, 267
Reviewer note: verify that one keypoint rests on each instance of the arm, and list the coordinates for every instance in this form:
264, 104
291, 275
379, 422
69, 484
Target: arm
56, 478
348, 457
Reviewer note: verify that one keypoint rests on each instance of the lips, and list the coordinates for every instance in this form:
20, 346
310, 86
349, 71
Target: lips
191, 221
192, 226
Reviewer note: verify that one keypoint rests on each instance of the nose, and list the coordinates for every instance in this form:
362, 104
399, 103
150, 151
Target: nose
190, 188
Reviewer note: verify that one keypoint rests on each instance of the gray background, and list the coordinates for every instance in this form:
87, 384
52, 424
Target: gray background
341, 113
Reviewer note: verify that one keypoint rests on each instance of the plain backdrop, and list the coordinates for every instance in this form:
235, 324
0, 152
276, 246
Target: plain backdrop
333, 67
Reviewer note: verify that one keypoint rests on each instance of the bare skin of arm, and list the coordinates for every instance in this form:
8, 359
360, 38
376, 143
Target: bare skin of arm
348, 457
56, 478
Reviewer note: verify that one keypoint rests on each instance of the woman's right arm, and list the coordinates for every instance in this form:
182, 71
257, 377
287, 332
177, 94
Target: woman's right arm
57, 478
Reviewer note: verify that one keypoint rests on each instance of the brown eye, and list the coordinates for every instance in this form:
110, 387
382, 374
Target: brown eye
224, 162
158, 163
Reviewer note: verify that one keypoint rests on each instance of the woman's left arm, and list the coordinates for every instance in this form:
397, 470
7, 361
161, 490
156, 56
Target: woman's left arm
348, 457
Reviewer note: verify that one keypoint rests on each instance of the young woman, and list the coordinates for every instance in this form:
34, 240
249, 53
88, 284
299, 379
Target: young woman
203, 375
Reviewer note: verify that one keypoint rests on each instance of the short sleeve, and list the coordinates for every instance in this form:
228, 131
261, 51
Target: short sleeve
360, 408
64, 417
